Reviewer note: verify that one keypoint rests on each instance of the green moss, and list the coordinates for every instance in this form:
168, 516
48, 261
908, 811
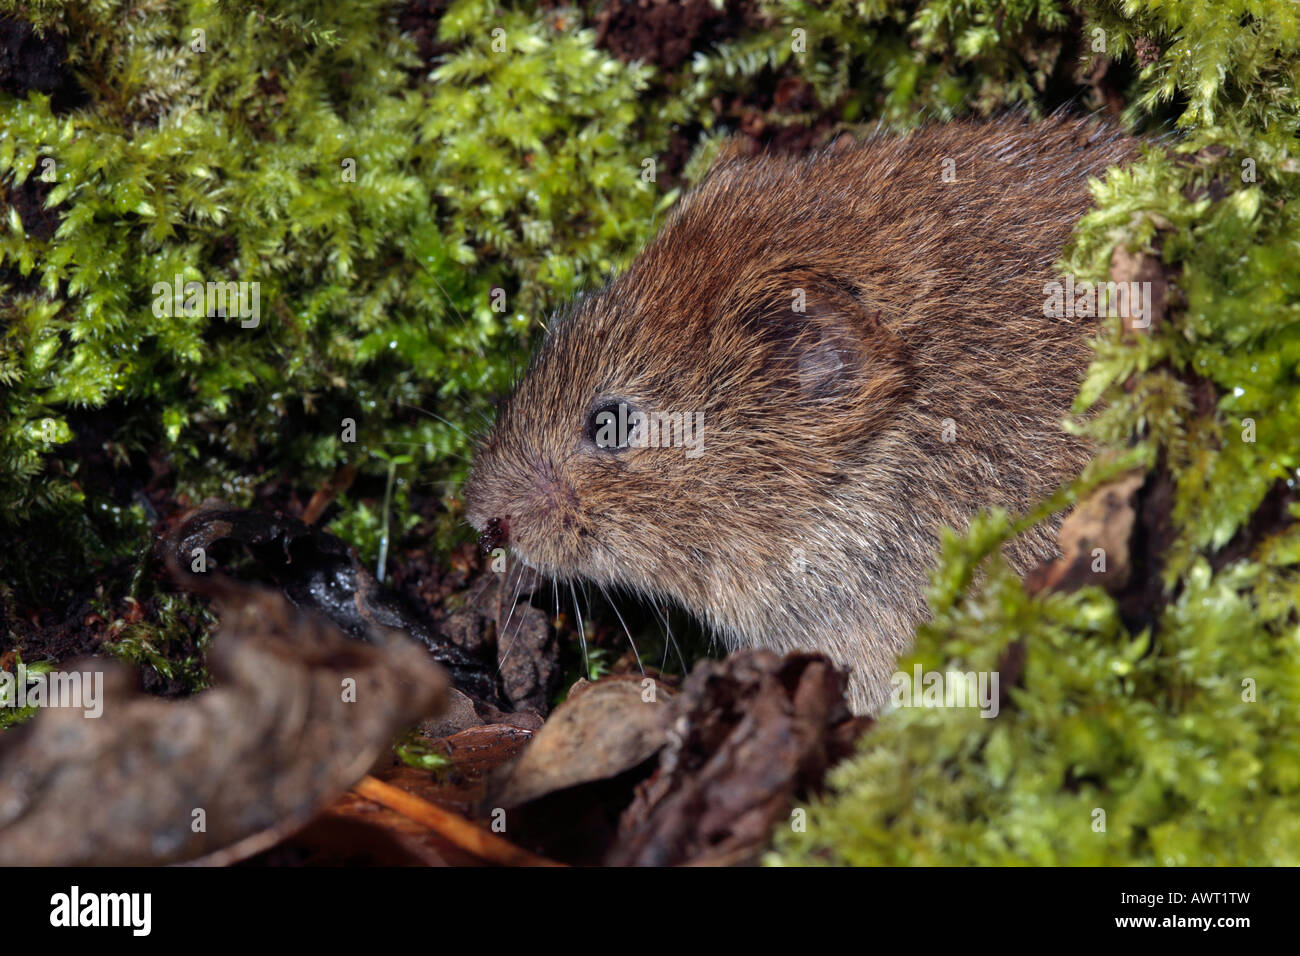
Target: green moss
236, 162
416, 751
164, 640
12, 715
908, 63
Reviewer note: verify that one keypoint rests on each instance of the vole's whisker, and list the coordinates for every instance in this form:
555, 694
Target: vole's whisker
420, 444
502, 629
582, 634
451, 302
438, 483
434, 416
663, 663
479, 596
610, 602
669, 639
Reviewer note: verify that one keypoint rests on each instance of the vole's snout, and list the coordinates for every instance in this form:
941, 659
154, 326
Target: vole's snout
496, 534
522, 503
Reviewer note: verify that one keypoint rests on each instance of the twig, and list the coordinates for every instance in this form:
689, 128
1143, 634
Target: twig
455, 829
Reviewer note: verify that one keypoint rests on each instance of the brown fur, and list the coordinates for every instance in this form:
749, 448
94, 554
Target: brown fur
811, 519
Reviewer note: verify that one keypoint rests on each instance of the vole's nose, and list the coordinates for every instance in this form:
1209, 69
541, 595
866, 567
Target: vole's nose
495, 534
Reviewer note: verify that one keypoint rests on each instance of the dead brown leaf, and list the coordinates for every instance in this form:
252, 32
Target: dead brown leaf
300, 712
748, 734
607, 727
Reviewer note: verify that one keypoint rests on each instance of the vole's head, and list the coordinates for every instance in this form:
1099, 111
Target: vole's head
749, 376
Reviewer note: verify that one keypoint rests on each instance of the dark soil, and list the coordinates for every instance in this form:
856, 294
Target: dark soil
29, 61
666, 33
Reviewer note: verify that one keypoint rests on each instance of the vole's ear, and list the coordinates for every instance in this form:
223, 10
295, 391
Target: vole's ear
827, 343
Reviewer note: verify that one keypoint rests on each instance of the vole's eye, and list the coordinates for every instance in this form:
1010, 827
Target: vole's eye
613, 425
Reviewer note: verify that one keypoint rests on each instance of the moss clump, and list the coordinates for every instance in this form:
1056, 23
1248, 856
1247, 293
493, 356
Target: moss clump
377, 200
11, 714
1182, 729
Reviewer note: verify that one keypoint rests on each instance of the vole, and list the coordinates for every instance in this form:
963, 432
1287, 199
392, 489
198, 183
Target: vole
857, 347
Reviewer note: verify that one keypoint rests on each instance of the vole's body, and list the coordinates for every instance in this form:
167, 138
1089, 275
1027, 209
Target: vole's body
920, 383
